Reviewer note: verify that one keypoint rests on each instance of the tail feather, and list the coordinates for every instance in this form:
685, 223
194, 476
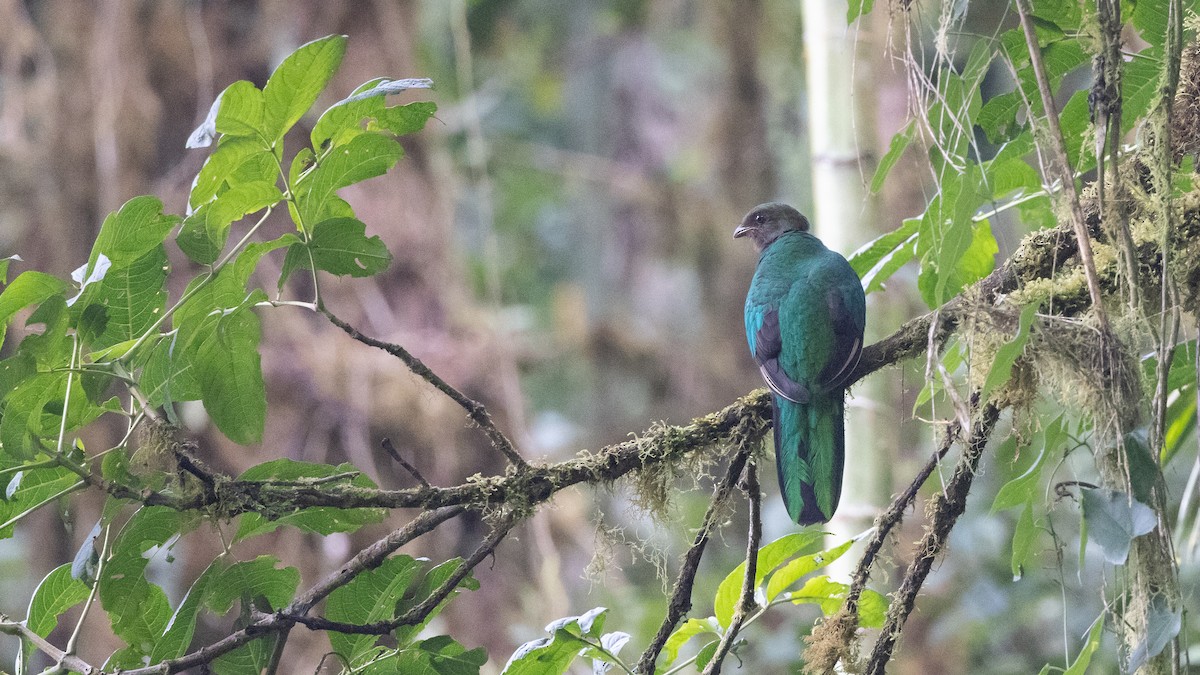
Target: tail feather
810, 450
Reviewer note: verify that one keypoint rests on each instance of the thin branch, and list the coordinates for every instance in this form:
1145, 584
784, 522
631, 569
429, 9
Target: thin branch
418, 613
1058, 160
395, 455
746, 603
475, 410
892, 517
681, 594
947, 507
64, 660
282, 621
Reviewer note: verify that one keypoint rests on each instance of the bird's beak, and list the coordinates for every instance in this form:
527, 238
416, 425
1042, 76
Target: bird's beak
742, 231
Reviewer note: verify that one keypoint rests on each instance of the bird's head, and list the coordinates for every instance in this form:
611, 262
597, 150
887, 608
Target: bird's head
767, 222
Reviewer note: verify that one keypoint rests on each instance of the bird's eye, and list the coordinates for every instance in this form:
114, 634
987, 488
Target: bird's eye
760, 218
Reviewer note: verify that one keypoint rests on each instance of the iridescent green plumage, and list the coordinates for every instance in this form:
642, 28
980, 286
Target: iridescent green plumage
805, 314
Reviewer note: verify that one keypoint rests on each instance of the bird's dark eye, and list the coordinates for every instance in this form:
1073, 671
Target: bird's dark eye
760, 218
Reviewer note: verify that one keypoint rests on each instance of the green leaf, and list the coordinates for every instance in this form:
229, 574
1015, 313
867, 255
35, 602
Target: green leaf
56, 593
896, 148
233, 156
690, 629
298, 81
1080, 665
4, 262
229, 371
182, 626
238, 201
34, 410
770, 557
1114, 519
240, 110
131, 232
556, 653
421, 589
252, 658
877, 261
167, 375
132, 297
372, 596
801, 567
706, 653
139, 610
27, 289
946, 235
858, 8
1008, 353
1024, 536
343, 120
321, 520
30, 490
872, 606
252, 581
1023, 488
366, 156
339, 246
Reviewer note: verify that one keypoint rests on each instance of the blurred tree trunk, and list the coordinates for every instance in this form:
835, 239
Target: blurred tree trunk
841, 104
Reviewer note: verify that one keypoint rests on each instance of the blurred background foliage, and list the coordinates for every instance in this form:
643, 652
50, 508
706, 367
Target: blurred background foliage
563, 253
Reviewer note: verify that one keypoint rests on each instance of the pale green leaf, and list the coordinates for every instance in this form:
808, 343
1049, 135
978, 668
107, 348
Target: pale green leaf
56, 593
1008, 353
770, 556
793, 571
240, 110
1114, 519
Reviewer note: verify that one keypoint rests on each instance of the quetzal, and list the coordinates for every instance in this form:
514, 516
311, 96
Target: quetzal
805, 314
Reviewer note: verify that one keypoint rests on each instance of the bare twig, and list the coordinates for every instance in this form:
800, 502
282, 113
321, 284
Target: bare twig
395, 455
746, 603
947, 507
681, 594
475, 410
68, 661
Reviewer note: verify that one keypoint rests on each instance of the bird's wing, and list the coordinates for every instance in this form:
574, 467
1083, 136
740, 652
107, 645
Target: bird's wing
768, 343
847, 309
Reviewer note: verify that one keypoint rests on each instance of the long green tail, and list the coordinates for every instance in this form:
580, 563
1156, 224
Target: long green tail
810, 450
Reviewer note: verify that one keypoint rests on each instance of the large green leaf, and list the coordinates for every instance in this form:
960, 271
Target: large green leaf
30, 490
224, 354
878, 260
131, 298
555, 654
253, 581
343, 120
339, 246
178, 635
1008, 353
770, 557
56, 593
134, 230
371, 596
240, 111
139, 610
298, 81
829, 594
802, 566
690, 629
365, 156
231, 155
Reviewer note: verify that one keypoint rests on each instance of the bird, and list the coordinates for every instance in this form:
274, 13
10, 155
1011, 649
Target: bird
805, 315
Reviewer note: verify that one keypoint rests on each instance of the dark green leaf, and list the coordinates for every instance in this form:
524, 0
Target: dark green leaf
421, 589
1114, 519
178, 635
298, 81
224, 354
139, 609
339, 246
556, 653
371, 596
238, 201
251, 658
